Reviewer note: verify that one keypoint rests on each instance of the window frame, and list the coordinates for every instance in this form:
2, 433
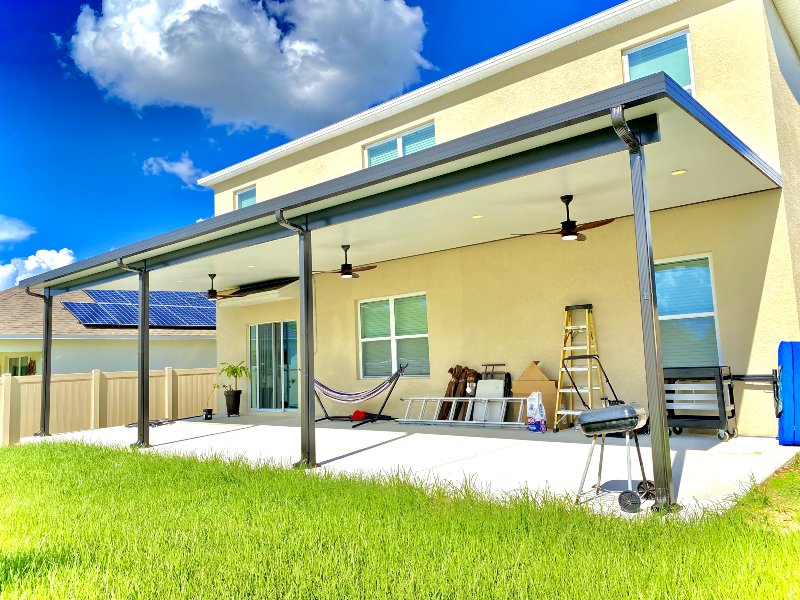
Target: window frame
683, 32
392, 337
236, 205
398, 137
18, 358
715, 313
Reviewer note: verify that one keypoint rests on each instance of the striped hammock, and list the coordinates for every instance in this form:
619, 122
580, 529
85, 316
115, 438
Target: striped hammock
356, 397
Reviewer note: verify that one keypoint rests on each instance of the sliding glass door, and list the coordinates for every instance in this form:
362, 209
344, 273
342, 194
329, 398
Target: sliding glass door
273, 365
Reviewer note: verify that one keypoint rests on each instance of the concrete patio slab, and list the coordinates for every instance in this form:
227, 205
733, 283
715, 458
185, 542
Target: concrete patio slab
501, 462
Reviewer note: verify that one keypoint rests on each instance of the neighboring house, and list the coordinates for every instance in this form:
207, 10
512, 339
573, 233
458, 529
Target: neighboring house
80, 348
416, 186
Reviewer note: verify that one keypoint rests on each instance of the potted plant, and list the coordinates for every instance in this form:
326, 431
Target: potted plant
233, 395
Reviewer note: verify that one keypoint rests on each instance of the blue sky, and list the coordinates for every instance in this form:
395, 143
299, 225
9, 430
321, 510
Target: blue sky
101, 140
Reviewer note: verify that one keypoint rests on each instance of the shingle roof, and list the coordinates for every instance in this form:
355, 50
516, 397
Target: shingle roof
21, 314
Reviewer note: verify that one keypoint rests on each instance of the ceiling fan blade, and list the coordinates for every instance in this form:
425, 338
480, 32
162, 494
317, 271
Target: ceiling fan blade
365, 268
548, 232
593, 224
581, 237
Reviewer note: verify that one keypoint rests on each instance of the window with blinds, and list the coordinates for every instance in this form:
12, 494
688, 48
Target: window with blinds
401, 145
246, 197
394, 332
670, 54
686, 313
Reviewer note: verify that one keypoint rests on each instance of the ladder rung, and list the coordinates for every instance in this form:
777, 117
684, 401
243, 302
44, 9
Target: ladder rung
576, 347
569, 412
581, 390
576, 327
577, 369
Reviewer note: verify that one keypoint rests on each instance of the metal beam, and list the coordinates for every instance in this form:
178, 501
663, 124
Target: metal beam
47, 346
653, 366
143, 366
308, 444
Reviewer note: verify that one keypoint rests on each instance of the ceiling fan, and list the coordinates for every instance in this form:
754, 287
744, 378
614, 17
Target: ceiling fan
347, 270
213, 294
570, 230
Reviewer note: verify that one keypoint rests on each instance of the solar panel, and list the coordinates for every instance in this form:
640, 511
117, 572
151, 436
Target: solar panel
125, 314
167, 309
89, 313
105, 296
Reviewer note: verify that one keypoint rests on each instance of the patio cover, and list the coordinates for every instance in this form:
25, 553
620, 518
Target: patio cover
593, 147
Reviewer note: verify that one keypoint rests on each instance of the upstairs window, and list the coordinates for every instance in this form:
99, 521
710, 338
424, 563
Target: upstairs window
246, 197
394, 331
401, 145
686, 313
669, 54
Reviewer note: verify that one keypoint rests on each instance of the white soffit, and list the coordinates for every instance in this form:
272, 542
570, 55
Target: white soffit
789, 11
608, 19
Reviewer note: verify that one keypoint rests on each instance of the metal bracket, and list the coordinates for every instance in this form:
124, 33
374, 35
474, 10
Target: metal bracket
125, 267
623, 130
288, 224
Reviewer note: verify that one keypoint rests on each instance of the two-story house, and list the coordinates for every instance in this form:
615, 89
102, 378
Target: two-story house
432, 187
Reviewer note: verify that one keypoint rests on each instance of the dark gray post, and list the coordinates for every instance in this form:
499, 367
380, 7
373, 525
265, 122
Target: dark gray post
308, 445
47, 346
143, 439
143, 365
653, 366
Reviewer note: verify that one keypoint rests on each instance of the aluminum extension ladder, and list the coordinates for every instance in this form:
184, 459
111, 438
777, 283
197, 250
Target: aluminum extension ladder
579, 339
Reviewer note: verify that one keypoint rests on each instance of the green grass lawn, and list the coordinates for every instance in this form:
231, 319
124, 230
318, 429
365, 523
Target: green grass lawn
85, 522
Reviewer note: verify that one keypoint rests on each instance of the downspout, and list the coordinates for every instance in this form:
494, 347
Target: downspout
143, 368
308, 449
47, 346
653, 366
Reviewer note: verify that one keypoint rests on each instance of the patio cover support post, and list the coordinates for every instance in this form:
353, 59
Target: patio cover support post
47, 346
653, 367
143, 407
308, 445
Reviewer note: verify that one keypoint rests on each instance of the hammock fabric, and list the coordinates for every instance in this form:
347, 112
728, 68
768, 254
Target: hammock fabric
357, 397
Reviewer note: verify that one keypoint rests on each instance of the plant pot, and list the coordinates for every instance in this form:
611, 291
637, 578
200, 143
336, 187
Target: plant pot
232, 400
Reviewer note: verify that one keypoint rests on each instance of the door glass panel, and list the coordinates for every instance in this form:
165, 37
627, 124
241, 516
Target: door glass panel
290, 372
267, 397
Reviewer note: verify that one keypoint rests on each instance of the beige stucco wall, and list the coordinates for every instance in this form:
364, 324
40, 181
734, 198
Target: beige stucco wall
732, 80
784, 65
504, 301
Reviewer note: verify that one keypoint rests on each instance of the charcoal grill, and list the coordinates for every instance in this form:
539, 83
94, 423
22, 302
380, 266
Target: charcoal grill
615, 417
618, 418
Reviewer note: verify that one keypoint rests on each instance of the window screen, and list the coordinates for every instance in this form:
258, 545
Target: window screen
394, 332
413, 141
246, 198
686, 313
670, 55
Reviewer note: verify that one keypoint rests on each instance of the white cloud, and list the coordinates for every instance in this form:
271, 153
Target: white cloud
14, 230
183, 169
22, 268
291, 66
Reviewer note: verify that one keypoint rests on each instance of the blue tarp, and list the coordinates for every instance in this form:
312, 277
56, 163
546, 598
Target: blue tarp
789, 422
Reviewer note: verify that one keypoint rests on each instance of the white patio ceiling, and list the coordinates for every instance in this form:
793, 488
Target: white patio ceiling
518, 200
525, 204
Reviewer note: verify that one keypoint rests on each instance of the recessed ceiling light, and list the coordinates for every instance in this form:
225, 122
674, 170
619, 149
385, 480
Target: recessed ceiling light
477, 216
251, 266
180, 280
679, 172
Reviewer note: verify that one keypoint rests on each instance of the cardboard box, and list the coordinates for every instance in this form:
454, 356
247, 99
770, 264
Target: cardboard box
533, 380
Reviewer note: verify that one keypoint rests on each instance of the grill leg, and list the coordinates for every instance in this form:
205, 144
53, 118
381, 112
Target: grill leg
600, 466
586, 470
628, 451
